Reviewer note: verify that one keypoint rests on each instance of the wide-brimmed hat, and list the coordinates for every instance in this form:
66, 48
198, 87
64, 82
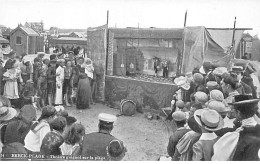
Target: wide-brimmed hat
182, 82
243, 100
7, 113
209, 119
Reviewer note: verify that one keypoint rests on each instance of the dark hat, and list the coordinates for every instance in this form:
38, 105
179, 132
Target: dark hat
70, 120
48, 111
116, 150
243, 100
58, 123
9, 64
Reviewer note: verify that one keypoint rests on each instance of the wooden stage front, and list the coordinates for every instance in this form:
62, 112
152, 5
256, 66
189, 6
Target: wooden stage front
146, 94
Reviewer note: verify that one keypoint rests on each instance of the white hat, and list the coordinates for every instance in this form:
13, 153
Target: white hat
7, 113
209, 119
179, 116
107, 117
182, 82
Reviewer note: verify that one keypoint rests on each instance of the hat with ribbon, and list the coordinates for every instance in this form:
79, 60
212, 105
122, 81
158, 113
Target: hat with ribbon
243, 100
7, 113
209, 119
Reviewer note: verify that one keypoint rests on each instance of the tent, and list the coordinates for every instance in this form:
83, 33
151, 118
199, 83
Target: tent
201, 44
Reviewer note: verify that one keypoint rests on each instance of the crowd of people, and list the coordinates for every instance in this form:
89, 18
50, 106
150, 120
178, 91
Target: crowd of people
215, 110
216, 115
57, 80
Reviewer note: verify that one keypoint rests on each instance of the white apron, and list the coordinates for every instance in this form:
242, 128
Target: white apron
59, 85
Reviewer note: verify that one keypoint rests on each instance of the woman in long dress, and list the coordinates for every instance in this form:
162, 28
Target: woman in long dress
59, 82
84, 89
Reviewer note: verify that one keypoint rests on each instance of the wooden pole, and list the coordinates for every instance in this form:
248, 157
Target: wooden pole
233, 39
107, 40
180, 59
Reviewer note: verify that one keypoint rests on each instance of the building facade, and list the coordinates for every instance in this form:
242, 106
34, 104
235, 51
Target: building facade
26, 40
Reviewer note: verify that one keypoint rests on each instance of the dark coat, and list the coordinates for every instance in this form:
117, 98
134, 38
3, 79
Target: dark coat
95, 144
174, 139
248, 144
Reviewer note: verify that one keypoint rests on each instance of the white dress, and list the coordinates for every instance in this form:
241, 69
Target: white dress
59, 85
11, 85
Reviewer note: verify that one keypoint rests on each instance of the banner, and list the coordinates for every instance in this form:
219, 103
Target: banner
96, 51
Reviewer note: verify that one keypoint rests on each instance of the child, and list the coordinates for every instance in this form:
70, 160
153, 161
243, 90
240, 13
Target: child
51, 78
11, 76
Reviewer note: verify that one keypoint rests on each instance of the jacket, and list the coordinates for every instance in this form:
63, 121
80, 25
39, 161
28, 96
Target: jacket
95, 144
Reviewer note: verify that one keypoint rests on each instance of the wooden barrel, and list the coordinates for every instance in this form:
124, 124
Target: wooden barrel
128, 107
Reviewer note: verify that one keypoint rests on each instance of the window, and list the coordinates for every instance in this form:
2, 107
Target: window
18, 40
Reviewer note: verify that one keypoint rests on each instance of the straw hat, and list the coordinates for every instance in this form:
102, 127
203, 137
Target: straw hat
179, 116
218, 106
7, 113
209, 119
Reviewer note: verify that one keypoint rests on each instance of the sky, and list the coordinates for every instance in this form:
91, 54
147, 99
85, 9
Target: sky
81, 14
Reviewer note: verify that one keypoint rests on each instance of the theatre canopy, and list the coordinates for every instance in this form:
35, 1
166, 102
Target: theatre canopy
212, 44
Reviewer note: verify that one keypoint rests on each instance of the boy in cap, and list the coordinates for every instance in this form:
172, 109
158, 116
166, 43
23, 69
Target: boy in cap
209, 122
94, 144
180, 119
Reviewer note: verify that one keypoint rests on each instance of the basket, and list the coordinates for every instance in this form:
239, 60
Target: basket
128, 107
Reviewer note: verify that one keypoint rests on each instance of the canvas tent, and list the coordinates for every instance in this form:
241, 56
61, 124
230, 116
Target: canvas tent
201, 44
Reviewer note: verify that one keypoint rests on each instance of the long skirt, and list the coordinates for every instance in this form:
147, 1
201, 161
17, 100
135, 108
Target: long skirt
58, 95
11, 90
83, 94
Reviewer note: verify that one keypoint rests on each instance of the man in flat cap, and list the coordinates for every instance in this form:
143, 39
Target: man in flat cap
180, 120
94, 144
